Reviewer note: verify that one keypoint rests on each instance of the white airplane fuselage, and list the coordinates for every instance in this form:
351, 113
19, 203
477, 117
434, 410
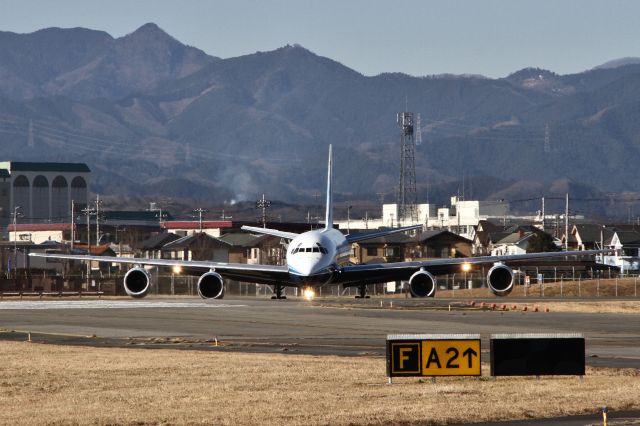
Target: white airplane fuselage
314, 256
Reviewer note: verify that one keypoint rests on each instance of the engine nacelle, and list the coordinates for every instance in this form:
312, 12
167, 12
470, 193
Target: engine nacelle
500, 279
211, 286
422, 284
137, 282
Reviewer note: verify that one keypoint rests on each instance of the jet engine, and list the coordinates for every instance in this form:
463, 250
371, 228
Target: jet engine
211, 286
422, 284
500, 279
137, 282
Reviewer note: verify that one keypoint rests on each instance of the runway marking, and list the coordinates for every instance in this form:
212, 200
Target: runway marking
107, 304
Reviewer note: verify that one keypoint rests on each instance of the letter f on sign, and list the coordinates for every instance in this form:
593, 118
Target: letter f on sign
404, 357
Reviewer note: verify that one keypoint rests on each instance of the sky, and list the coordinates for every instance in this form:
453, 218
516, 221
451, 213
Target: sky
418, 37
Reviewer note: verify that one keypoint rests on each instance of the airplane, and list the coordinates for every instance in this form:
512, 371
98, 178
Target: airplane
320, 258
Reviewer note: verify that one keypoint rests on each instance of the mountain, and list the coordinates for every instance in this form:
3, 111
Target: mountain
84, 64
615, 63
153, 116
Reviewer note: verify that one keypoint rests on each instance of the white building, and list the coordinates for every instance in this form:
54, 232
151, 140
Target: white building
461, 217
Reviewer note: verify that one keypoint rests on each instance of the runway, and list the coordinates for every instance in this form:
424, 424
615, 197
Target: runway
19, 305
333, 326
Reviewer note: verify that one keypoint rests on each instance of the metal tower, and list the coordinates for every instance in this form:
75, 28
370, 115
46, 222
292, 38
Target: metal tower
407, 198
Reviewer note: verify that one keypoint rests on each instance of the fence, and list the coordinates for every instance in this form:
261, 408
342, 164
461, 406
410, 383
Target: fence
528, 283
548, 283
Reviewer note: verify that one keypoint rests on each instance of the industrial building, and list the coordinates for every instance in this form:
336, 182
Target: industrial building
42, 192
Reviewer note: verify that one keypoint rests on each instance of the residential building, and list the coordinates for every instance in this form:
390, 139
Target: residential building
627, 255
199, 246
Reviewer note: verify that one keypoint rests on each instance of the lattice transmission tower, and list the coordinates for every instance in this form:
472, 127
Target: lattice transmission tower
407, 198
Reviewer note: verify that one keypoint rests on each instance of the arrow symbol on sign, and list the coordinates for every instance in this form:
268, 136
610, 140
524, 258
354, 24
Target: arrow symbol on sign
469, 353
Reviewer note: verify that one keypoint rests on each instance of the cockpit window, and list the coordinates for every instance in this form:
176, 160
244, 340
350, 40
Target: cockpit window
317, 249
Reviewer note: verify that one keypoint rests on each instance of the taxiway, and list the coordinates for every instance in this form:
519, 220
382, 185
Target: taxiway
338, 326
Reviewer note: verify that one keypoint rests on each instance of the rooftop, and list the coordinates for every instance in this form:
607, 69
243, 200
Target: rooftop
20, 166
194, 224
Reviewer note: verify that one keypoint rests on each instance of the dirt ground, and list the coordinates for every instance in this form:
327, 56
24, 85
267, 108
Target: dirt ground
48, 384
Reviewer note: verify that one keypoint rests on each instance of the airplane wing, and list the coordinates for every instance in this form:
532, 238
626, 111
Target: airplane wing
268, 231
352, 238
263, 274
381, 272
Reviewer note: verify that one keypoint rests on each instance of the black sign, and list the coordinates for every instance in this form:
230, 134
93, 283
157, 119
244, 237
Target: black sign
537, 355
403, 358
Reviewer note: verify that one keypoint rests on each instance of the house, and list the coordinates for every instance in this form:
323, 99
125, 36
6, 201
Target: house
627, 246
151, 248
255, 249
487, 233
390, 248
440, 244
198, 246
514, 243
214, 228
400, 247
39, 232
590, 236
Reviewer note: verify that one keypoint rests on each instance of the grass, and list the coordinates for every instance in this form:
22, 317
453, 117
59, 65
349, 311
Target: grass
48, 384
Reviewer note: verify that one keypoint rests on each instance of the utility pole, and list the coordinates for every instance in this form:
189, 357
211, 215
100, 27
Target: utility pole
88, 212
543, 213
200, 211
73, 228
98, 204
15, 236
349, 219
566, 225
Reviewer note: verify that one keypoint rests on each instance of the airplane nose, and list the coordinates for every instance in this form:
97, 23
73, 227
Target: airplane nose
308, 267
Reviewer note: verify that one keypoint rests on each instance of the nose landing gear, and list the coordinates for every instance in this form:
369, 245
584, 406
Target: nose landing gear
362, 292
278, 291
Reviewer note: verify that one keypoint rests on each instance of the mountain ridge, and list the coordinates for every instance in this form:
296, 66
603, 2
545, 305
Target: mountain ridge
148, 108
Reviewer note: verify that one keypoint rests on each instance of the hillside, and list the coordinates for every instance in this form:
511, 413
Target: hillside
154, 117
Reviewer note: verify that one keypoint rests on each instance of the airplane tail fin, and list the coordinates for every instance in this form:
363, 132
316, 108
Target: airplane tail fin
329, 213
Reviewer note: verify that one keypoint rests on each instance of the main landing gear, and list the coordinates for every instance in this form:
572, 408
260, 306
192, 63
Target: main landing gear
362, 292
278, 291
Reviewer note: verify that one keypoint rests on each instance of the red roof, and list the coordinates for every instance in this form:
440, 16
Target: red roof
20, 227
194, 224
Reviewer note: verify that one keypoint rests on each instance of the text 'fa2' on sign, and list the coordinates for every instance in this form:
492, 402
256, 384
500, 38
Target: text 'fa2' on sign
451, 357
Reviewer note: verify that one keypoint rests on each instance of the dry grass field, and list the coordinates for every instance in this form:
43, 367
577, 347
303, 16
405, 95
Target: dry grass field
48, 384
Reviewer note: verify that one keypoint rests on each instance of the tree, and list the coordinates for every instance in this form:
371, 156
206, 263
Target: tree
541, 242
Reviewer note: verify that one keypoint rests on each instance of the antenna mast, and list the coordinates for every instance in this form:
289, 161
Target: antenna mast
263, 204
407, 198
